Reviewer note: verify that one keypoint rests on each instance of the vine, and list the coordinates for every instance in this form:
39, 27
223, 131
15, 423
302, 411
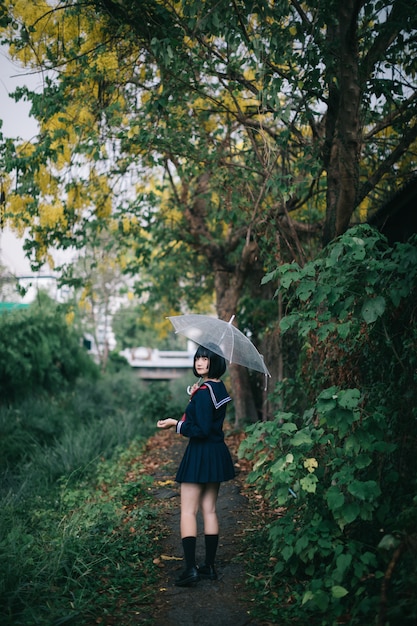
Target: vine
344, 468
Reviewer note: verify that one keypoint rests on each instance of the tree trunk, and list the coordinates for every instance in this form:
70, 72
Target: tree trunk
343, 128
229, 279
228, 287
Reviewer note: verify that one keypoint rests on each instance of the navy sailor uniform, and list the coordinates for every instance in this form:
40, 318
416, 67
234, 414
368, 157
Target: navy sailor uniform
207, 458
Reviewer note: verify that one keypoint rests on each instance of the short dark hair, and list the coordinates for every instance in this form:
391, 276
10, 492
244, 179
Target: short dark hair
217, 365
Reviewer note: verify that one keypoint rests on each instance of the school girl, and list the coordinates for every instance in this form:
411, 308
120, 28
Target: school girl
206, 462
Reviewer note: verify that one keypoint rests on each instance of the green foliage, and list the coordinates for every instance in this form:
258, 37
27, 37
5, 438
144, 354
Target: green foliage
38, 353
65, 434
350, 305
343, 471
77, 526
74, 552
328, 477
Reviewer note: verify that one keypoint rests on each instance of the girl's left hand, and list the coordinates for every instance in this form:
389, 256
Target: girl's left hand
167, 423
192, 389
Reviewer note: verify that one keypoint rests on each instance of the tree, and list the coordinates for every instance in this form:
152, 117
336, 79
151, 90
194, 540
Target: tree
40, 352
99, 286
134, 327
255, 126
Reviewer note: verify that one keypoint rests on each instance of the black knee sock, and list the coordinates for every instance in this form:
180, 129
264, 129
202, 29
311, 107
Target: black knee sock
211, 542
188, 545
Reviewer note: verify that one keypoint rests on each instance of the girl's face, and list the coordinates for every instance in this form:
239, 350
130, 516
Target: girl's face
202, 365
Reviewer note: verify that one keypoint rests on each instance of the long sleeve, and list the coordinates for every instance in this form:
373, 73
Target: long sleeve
198, 416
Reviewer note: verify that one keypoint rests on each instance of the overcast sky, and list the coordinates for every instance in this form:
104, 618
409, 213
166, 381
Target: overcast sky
16, 123
15, 115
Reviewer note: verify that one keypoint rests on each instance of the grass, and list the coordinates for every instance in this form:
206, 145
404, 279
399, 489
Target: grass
78, 528
69, 556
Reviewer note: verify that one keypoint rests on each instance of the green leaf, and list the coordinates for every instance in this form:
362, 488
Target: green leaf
358, 250
301, 437
344, 329
335, 254
362, 460
350, 512
309, 595
329, 393
305, 289
306, 327
388, 542
372, 309
339, 592
289, 274
324, 331
343, 561
321, 599
288, 428
288, 322
262, 459
349, 398
335, 498
309, 483
287, 552
364, 490
301, 544
270, 276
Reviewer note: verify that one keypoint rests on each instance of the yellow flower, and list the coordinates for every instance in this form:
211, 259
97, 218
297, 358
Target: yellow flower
70, 316
310, 464
50, 215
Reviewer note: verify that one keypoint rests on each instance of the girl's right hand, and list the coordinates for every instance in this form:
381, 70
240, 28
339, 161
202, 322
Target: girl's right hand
167, 423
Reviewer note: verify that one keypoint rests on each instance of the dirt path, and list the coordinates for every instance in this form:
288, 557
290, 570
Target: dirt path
222, 602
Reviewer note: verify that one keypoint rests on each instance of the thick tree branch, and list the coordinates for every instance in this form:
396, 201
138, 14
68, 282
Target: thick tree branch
386, 36
406, 110
386, 165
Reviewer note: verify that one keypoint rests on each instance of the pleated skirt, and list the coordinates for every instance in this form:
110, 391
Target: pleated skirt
205, 462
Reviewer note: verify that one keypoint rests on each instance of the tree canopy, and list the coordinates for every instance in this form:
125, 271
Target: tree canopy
212, 139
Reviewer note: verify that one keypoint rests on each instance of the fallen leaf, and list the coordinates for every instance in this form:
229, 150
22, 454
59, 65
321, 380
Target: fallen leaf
165, 557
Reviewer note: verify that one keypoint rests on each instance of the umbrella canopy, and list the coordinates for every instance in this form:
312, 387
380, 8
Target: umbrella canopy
221, 337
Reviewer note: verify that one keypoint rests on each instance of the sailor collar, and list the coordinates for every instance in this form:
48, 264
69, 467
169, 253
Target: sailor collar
218, 402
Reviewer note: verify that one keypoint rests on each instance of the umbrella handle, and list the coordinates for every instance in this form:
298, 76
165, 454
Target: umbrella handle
189, 388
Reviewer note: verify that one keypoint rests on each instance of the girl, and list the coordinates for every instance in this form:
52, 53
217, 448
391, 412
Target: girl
206, 463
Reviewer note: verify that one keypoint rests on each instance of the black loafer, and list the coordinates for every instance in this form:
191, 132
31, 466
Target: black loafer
207, 572
189, 577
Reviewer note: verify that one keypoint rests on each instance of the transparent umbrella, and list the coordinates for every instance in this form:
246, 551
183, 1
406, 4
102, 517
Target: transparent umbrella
221, 337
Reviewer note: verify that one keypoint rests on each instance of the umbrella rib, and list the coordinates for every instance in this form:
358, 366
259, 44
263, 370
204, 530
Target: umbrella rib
233, 339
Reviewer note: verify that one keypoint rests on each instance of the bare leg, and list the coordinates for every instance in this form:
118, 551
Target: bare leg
208, 502
191, 494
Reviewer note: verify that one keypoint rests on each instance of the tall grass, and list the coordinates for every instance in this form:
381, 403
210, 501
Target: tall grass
71, 527
52, 436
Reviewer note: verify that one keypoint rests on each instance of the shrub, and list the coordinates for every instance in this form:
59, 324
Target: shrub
345, 468
38, 353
